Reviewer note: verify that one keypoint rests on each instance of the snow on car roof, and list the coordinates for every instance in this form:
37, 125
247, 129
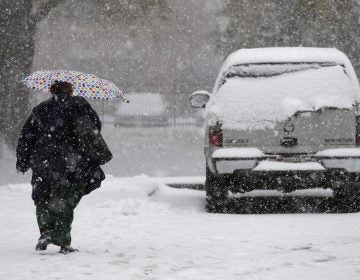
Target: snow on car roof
249, 103
287, 55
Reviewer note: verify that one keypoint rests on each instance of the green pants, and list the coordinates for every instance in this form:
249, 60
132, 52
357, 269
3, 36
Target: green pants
55, 213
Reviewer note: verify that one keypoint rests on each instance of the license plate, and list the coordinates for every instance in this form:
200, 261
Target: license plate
291, 159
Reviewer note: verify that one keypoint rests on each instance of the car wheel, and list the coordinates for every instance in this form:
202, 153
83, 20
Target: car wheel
347, 197
216, 193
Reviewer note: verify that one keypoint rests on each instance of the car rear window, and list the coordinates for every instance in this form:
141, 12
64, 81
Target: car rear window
269, 69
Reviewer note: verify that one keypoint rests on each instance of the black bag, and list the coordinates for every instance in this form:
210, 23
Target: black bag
90, 142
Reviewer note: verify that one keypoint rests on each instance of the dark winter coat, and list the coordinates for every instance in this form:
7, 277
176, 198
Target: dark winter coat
49, 145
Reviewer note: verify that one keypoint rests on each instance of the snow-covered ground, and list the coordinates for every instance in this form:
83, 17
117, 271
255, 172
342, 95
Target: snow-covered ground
138, 228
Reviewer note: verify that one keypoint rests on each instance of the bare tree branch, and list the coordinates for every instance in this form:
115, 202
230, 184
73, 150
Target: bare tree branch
43, 9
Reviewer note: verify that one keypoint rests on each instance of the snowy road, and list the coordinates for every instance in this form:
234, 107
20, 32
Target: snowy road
137, 228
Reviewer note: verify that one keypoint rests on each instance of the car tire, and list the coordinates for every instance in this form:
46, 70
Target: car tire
347, 197
216, 193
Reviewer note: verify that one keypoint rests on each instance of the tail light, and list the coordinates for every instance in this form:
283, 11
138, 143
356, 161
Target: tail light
215, 138
357, 136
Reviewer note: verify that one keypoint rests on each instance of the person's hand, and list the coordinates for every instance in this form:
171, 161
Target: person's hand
21, 168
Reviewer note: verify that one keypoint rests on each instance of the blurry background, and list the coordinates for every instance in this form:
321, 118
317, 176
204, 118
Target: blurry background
157, 51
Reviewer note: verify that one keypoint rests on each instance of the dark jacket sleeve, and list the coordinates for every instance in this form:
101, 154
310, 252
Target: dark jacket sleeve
26, 143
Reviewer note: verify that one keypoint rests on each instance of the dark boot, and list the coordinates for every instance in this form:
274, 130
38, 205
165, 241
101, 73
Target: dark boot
43, 242
67, 250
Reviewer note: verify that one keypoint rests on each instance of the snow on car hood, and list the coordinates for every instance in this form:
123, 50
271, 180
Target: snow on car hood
258, 103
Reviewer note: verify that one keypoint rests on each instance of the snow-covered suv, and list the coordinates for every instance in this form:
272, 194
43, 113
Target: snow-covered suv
282, 118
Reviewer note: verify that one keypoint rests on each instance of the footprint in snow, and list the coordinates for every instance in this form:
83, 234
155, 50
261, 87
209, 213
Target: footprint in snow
301, 248
325, 259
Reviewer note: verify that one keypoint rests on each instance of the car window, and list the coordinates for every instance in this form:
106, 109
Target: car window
269, 69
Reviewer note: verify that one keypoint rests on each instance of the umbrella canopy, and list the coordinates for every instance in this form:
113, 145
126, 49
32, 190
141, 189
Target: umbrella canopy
86, 85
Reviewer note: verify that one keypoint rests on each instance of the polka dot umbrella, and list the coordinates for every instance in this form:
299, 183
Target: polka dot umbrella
86, 85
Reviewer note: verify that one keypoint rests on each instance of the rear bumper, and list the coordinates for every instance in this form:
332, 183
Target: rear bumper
263, 171
286, 181
229, 160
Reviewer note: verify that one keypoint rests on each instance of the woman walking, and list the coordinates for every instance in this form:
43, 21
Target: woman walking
62, 144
